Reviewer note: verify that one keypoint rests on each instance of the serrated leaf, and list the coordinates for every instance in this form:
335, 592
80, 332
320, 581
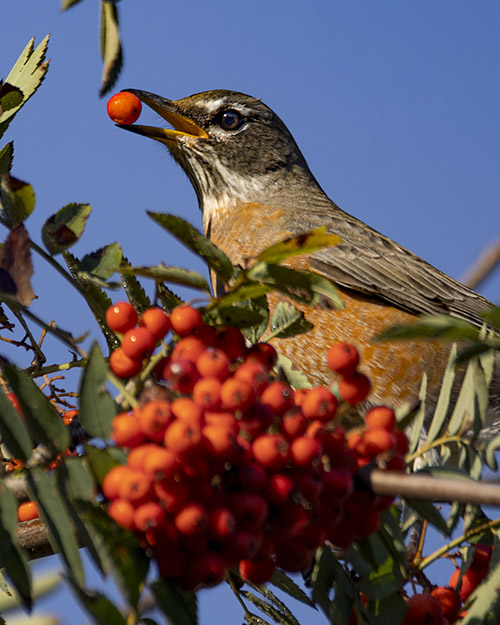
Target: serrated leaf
6, 158
97, 407
196, 242
296, 378
42, 419
322, 579
100, 608
66, 4
133, 288
287, 321
428, 511
178, 605
169, 300
388, 610
17, 200
13, 431
306, 243
161, 273
385, 576
12, 559
244, 292
26, 75
277, 615
443, 402
233, 315
102, 263
111, 48
285, 583
432, 326
472, 400
63, 229
260, 305
55, 516
119, 551
10, 97
101, 461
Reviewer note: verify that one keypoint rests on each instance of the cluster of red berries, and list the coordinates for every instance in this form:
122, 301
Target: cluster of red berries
233, 468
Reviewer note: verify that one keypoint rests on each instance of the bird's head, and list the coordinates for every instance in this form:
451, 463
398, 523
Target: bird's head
232, 146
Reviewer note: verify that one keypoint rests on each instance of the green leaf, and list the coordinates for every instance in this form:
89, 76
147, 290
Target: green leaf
417, 424
177, 275
111, 48
42, 419
118, 549
287, 321
443, 402
322, 579
97, 407
472, 400
63, 229
306, 243
26, 75
42, 585
244, 292
279, 616
285, 583
10, 97
102, 263
55, 516
233, 316
493, 317
12, 559
432, 326
101, 461
169, 300
101, 609
489, 452
388, 610
12, 430
303, 286
178, 605
296, 378
133, 288
17, 200
66, 4
385, 577
6, 158
428, 511
197, 242
258, 304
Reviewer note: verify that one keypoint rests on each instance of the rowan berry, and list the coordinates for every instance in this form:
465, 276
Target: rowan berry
279, 489
213, 362
137, 455
121, 317
122, 512
208, 570
231, 340
293, 556
173, 565
135, 487
138, 342
188, 411
27, 511
258, 571
299, 395
482, 556
343, 358
380, 417
293, 424
154, 417
171, 494
183, 437
338, 485
271, 451
122, 365
376, 441
206, 393
263, 353
354, 388
221, 523
237, 395
470, 581
185, 319
252, 477
112, 481
449, 601
69, 416
395, 463
255, 374
401, 442
191, 519
220, 442
320, 404
160, 463
188, 348
242, 544
423, 608
126, 430
256, 420
278, 396
181, 375
149, 515
250, 510
156, 321
304, 450
124, 108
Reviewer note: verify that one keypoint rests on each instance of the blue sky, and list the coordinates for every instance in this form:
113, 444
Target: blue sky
395, 105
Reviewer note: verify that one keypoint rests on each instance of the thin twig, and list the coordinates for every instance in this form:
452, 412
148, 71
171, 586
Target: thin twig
483, 266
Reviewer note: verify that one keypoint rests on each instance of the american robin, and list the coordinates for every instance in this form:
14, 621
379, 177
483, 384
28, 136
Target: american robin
255, 188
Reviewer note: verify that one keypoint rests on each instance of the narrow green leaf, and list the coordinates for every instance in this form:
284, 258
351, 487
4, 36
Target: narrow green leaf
100, 608
244, 292
42, 585
133, 288
385, 576
296, 378
43, 421
285, 583
63, 229
419, 416
101, 461
472, 400
13, 431
287, 321
233, 315
258, 304
118, 549
388, 610
443, 402
277, 615
432, 326
489, 452
111, 48
102, 263
178, 605
54, 515
306, 243
66, 4
12, 559
428, 511
176, 275
6, 158
196, 242
322, 579
97, 407
169, 300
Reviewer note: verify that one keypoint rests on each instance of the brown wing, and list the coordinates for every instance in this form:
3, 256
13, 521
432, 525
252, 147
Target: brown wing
369, 262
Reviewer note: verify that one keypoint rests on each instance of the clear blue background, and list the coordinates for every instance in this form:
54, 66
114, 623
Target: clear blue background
395, 105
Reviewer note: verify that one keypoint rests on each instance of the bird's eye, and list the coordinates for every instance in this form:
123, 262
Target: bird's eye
230, 120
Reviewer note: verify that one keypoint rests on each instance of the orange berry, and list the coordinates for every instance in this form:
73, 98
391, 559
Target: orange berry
172, 495
293, 424
191, 520
121, 317
263, 353
449, 601
255, 374
206, 393
377, 440
154, 417
213, 362
220, 442
183, 437
221, 523
279, 489
354, 388
160, 463
278, 396
304, 450
135, 487
470, 581
122, 365
27, 511
380, 417
69, 416
124, 108
149, 515
112, 481
122, 512
137, 455
343, 358
185, 319
423, 608
401, 442
181, 375
299, 395
188, 411
250, 510
482, 556
126, 430
258, 571
138, 342
271, 451
231, 340
237, 395
188, 348
156, 321
320, 404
